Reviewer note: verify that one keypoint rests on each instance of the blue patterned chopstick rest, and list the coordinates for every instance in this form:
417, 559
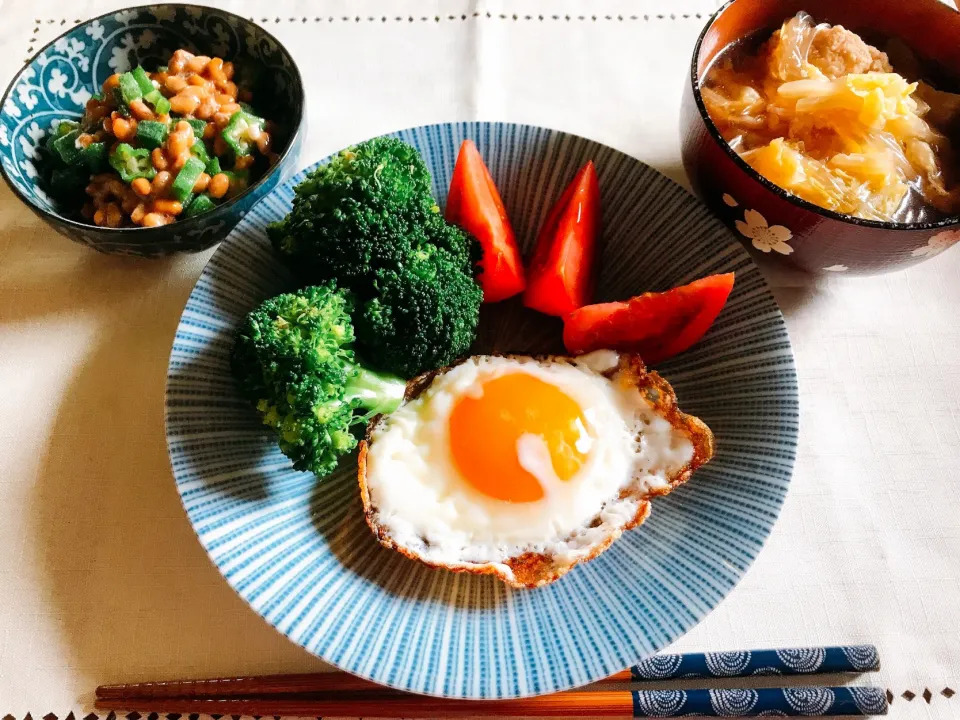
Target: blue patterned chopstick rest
790, 661
799, 701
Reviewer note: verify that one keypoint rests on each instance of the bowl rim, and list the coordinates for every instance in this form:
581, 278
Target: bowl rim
143, 231
715, 135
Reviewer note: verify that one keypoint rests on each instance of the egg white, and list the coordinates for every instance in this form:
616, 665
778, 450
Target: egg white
424, 503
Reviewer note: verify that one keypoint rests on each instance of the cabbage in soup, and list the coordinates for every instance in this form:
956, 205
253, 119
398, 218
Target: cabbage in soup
824, 115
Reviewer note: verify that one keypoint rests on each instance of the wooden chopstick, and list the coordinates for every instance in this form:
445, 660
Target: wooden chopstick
390, 704
238, 687
833, 701
337, 693
846, 659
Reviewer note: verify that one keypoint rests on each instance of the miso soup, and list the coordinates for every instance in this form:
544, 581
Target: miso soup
823, 114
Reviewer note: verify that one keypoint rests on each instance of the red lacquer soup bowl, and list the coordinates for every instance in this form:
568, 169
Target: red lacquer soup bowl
767, 218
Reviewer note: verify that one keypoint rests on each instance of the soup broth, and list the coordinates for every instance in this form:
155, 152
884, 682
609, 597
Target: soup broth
823, 114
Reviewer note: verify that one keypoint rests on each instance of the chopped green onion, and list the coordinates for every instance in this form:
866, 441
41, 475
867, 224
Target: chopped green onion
160, 105
132, 163
236, 134
200, 204
119, 102
152, 134
94, 156
143, 80
186, 179
198, 126
66, 147
66, 126
61, 129
129, 89
199, 151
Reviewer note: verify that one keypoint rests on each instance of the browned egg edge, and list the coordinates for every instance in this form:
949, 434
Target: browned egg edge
530, 569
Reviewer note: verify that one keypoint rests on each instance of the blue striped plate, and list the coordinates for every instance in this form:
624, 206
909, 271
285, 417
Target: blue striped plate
299, 553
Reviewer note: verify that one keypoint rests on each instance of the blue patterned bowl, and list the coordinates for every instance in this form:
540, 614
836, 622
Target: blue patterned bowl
58, 81
299, 552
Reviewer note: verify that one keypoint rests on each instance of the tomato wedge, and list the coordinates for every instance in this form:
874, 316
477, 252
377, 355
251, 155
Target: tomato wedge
475, 205
562, 271
655, 325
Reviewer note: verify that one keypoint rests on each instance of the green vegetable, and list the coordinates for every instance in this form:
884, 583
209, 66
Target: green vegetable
163, 68
199, 151
239, 181
160, 105
61, 129
362, 211
462, 246
367, 219
200, 204
119, 102
131, 163
152, 134
129, 89
186, 179
94, 156
236, 132
143, 80
424, 315
67, 183
198, 126
293, 358
66, 148
213, 166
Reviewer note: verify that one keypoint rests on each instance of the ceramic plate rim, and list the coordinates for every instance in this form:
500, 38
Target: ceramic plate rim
251, 220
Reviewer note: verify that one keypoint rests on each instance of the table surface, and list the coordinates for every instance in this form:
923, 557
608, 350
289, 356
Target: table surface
101, 577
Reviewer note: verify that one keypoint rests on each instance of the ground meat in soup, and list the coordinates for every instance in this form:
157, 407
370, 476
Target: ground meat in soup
836, 52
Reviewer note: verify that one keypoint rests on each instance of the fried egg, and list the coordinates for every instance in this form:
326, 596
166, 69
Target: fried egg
523, 467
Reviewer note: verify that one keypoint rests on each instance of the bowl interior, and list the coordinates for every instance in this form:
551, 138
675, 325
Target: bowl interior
929, 27
298, 549
57, 83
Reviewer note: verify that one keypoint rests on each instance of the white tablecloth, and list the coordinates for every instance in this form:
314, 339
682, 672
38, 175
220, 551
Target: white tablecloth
101, 577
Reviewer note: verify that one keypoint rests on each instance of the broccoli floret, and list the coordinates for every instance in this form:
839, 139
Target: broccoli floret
423, 316
293, 358
357, 214
463, 247
368, 221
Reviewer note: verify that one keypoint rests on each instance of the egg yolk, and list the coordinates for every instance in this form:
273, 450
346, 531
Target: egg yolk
485, 430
